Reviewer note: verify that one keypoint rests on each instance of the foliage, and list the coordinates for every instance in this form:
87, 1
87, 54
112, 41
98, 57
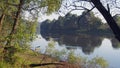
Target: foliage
35, 8
17, 30
98, 62
51, 5
6, 8
72, 23
4, 65
59, 54
117, 19
72, 58
50, 48
26, 33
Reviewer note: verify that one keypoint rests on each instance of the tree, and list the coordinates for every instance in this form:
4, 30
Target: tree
106, 14
21, 29
72, 5
6, 8
32, 7
1, 20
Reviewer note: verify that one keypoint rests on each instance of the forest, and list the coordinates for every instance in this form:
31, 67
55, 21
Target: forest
70, 23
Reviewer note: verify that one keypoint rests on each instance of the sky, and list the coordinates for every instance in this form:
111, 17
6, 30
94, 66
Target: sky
65, 11
79, 12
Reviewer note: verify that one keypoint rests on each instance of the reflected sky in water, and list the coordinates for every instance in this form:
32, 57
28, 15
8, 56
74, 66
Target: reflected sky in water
105, 50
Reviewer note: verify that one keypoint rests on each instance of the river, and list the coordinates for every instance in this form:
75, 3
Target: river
86, 46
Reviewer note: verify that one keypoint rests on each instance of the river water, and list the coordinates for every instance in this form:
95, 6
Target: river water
86, 46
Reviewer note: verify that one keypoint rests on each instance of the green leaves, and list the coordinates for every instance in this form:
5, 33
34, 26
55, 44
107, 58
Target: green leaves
26, 32
51, 5
13, 1
2, 4
99, 61
72, 58
8, 6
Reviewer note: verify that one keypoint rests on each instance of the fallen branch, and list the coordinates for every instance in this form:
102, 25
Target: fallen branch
44, 64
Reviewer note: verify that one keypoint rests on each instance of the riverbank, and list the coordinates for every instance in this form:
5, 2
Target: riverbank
32, 59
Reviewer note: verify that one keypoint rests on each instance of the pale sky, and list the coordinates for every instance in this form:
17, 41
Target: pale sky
78, 12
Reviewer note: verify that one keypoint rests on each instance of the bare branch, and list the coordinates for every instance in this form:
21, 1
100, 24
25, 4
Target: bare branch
74, 9
117, 7
70, 6
86, 13
108, 8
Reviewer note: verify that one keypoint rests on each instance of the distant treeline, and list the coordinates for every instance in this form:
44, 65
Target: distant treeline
71, 23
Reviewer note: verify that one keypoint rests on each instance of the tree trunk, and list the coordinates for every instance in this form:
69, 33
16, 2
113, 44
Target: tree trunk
17, 18
1, 21
111, 22
15, 24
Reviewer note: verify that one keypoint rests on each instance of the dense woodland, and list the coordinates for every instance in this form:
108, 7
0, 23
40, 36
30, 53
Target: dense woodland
83, 24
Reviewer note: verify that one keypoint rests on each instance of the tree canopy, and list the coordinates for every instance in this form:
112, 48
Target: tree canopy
88, 23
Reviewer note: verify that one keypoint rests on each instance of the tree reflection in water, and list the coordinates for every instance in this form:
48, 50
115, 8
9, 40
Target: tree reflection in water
86, 42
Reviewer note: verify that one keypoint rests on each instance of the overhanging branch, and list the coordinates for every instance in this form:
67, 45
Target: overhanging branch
86, 13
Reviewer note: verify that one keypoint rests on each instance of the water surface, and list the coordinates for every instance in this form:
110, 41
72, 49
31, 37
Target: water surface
84, 45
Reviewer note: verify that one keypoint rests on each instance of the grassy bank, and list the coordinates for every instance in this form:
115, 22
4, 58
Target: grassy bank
32, 59
24, 59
